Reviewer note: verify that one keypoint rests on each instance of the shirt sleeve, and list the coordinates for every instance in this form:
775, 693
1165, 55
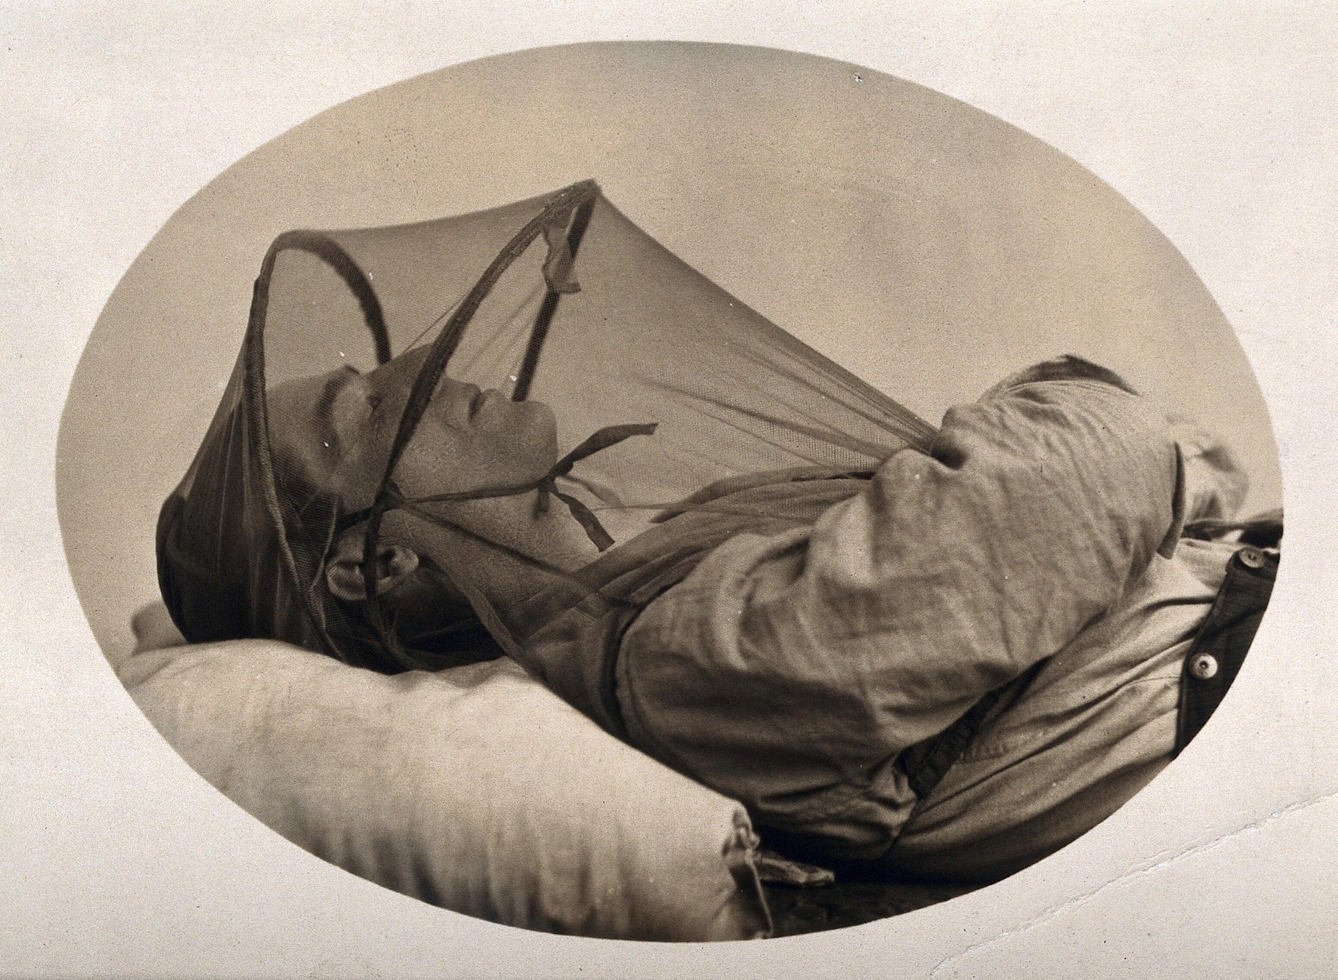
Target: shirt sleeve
1215, 485
798, 664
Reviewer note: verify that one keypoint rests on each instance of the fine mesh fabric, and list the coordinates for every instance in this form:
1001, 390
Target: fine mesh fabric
670, 396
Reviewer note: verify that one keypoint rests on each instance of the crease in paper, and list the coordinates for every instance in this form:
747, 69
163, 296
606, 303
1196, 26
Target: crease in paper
1151, 866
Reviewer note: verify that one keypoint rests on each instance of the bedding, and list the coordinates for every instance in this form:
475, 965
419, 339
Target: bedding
475, 789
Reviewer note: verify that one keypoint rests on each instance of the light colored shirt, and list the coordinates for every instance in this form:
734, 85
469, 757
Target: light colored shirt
790, 670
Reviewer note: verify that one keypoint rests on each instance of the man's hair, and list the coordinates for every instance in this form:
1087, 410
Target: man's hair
1068, 367
226, 572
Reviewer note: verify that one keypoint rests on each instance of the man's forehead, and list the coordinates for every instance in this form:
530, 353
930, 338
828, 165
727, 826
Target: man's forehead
303, 433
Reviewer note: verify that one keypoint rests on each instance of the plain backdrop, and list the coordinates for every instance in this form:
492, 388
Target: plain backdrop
1216, 121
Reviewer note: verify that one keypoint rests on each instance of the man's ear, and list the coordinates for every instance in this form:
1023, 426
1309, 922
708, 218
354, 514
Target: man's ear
343, 570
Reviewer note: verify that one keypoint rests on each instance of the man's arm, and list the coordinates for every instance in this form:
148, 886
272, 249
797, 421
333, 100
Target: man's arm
790, 663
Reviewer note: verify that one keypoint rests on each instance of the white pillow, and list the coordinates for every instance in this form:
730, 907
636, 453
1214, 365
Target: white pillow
476, 789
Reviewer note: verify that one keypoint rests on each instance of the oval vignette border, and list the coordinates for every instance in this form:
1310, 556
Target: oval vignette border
860, 212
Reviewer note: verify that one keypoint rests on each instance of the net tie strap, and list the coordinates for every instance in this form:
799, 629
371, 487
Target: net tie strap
546, 486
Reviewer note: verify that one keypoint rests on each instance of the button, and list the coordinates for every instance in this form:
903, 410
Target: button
1251, 557
1203, 666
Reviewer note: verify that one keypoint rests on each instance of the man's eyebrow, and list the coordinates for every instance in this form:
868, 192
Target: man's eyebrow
323, 410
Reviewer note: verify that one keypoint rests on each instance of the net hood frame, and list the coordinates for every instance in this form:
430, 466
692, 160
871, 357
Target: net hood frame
600, 322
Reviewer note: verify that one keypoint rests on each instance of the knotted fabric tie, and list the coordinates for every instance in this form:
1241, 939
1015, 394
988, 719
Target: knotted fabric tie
546, 486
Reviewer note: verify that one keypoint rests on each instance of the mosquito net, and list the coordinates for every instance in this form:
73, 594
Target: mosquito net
441, 438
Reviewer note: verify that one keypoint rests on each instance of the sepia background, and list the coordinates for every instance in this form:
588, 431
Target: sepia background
1212, 121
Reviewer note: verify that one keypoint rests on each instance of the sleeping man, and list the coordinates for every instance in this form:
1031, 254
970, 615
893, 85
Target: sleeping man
944, 669
911, 653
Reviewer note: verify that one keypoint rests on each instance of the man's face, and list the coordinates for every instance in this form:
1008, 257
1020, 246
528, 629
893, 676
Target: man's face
338, 428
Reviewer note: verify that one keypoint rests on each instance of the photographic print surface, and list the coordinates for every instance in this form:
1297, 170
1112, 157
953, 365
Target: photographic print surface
790, 268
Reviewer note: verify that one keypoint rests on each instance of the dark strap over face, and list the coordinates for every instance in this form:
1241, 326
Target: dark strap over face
1224, 638
557, 210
